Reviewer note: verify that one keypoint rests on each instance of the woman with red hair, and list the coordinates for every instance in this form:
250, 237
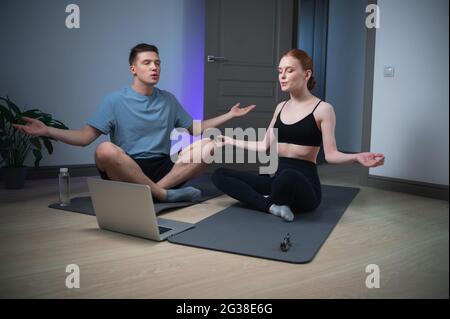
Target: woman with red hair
304, 123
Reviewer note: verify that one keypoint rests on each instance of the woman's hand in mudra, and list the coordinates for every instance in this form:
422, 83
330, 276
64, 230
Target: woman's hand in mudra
370, 159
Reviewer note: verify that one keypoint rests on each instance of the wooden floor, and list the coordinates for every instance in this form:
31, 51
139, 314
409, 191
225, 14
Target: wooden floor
406, 236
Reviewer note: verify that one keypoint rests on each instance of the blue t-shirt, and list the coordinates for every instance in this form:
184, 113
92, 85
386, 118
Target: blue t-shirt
139, 124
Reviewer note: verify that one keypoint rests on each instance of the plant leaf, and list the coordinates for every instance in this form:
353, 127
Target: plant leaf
2, 124
15, 145
37, 157
48, 145
6, 113
35, 141
46, 119
11, 105
59, 125
31, 113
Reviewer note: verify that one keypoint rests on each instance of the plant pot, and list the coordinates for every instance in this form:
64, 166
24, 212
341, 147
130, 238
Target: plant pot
14, 177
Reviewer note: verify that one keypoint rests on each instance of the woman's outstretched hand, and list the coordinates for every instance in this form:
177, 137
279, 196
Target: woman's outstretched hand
237, 111
370, 159
34, 127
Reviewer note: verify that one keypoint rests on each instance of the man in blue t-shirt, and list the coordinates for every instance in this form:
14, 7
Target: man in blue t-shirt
139, 119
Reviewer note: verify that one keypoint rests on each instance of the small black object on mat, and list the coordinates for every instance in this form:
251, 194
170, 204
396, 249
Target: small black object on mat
245, 231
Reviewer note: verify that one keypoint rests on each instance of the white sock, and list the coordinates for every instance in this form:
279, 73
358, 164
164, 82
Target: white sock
282, 211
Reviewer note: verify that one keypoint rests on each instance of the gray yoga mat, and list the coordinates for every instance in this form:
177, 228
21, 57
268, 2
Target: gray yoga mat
84, 205
244, 231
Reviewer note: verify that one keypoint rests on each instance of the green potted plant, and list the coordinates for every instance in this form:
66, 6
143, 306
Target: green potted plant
16, 145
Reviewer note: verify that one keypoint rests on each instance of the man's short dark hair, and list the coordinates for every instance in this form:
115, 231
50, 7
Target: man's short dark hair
141, 47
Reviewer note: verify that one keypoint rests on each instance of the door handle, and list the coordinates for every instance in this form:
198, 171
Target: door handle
212, 58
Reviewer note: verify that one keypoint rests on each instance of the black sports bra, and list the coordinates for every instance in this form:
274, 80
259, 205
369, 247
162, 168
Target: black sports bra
304, 132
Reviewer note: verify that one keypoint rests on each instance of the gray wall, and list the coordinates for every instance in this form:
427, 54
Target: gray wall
66, 72
411, 110
345, 70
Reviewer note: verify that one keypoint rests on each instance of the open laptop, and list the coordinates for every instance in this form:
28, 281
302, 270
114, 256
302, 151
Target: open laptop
128, 208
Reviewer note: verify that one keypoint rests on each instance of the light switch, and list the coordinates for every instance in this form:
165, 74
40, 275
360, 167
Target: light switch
389, 71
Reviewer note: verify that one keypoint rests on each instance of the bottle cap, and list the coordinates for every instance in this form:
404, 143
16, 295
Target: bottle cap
63, 170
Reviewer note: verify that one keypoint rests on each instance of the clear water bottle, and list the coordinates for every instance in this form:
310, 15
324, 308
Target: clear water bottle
64, 187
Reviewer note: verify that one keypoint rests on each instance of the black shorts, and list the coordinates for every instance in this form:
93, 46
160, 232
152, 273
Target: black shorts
154, 168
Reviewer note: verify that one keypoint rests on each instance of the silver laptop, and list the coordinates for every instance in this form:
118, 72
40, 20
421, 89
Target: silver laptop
128, 208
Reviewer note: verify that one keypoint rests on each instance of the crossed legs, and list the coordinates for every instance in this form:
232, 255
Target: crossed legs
190, 163
290, 191
112, 160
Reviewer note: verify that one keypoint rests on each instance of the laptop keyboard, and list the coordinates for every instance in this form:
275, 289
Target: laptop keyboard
163, 230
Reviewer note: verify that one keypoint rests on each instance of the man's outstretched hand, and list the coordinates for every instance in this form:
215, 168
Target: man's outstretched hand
237, 111
33, 127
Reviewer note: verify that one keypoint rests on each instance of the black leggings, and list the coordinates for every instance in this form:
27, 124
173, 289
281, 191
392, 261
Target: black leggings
295, 184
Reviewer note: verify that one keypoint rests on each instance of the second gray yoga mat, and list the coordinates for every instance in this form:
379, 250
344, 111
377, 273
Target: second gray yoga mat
244, 231
83, 205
